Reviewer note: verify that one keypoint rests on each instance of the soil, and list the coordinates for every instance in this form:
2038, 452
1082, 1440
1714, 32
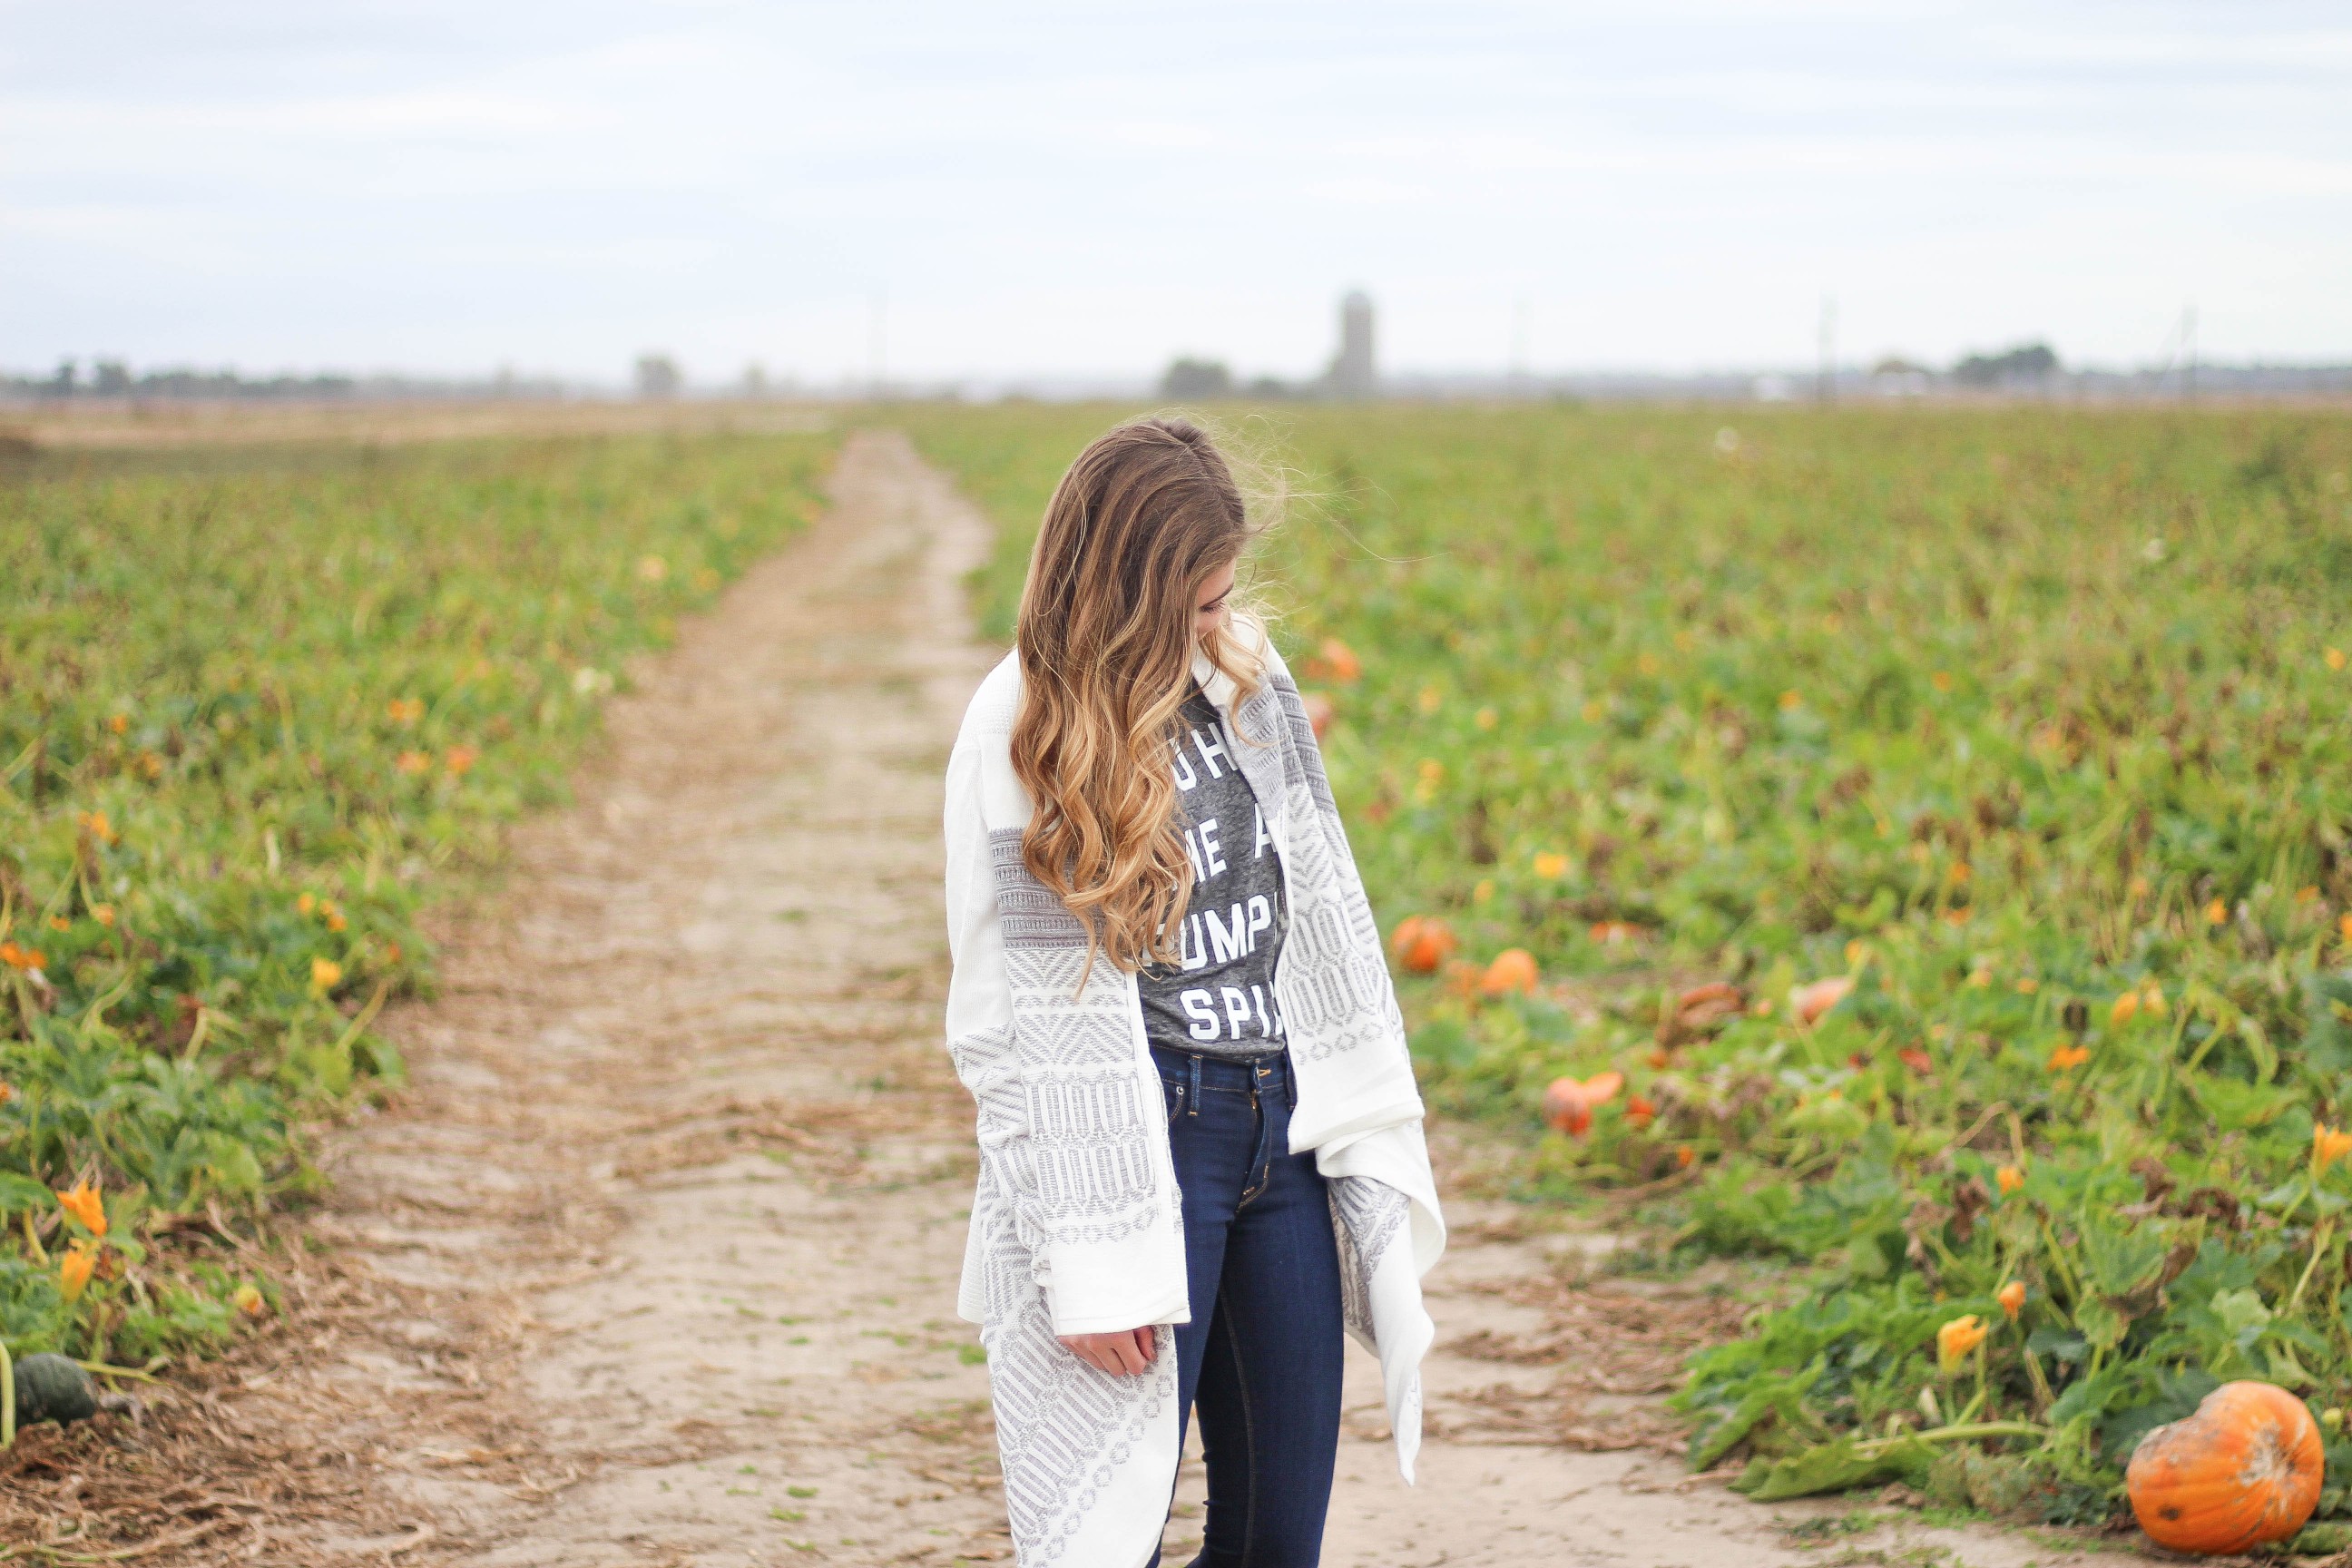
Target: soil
654, 1261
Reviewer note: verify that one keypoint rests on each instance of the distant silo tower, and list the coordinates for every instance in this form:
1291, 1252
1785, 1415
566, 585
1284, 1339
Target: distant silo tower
1353, 373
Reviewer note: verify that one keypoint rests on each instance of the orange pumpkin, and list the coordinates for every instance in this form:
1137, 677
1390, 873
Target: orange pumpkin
2244, 1469
1514, 969
1568, 1104
1335, 660
1809, 1002
1710, 1003
1422, 943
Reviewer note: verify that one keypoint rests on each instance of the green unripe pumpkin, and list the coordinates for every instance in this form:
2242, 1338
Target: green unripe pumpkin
49, 1387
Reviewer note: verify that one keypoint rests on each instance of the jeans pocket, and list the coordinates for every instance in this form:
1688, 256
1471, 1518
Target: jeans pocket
1173, 1093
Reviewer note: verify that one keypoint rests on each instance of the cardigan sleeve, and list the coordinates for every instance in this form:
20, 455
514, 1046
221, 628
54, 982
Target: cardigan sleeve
980, 1040
979, 998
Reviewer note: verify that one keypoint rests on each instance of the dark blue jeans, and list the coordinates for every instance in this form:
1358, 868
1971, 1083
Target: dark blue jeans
1261, 1358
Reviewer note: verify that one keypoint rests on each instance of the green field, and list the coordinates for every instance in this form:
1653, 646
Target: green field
2029, 723
255, 708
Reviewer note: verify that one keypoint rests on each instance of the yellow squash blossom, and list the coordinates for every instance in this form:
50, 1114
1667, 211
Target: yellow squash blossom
1956, 1339
325, 974
86, 1204
74, 1270
2010, 1178
2013, 1298
2067, 1057
2328, 1144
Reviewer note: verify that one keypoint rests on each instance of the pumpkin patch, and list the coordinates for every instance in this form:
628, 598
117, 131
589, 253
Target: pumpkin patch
253, 710
1945, 840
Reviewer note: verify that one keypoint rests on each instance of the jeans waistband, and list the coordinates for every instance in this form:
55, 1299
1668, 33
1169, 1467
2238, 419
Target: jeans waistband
1266, 1072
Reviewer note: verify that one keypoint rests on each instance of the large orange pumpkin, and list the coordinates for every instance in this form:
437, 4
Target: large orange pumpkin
1422, 942
2244, 1469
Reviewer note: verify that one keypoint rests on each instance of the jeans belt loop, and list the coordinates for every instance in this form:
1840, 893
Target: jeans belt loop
1193, 1107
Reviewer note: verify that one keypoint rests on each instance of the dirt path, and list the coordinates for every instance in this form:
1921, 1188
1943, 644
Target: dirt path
656, 1262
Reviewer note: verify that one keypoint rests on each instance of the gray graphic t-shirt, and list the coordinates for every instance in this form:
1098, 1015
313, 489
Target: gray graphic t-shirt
1220, 1002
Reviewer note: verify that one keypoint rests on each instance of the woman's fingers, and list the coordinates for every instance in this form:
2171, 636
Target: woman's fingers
1124, 1354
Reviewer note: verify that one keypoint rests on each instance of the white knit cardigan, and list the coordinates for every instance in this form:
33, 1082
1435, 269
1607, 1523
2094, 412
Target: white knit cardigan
1077, 1224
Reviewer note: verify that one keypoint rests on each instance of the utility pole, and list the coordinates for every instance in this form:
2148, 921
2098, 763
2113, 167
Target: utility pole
2189, 353
1825, 385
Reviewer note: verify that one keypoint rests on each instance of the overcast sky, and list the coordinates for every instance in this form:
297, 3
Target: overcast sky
450, 186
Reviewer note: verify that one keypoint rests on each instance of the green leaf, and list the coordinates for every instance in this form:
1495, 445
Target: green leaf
2320, 1541
2177, 1398
2236, 1107
2284, 1370
2103, 1326
1834, 1466
21, 1194
2120, 1261
2057, 1342
2240, 1309
1778, 1396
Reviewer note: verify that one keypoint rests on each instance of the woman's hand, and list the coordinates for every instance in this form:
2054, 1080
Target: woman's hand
1126, 1352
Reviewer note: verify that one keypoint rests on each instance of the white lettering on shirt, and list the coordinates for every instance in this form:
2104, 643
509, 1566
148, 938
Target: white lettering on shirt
1226, 943
1237, 1010
1198, 1008
1213, 751
1209, 848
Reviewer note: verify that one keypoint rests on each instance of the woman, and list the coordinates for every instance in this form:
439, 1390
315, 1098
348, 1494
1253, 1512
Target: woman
1200, 1151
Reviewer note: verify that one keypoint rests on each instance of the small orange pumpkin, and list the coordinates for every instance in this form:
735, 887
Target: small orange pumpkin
1568, 1104
1422, 943
1809, 1002
1514, 969
1335, 660
2244, 1469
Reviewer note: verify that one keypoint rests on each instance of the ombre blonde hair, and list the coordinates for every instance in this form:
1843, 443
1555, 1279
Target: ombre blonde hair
1147, 513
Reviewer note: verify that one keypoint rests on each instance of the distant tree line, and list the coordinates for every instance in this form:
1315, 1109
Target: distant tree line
113, 379
2030, 361
1188, 380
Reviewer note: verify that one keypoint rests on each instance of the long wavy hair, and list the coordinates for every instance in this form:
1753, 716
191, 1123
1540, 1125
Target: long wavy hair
1140, 521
